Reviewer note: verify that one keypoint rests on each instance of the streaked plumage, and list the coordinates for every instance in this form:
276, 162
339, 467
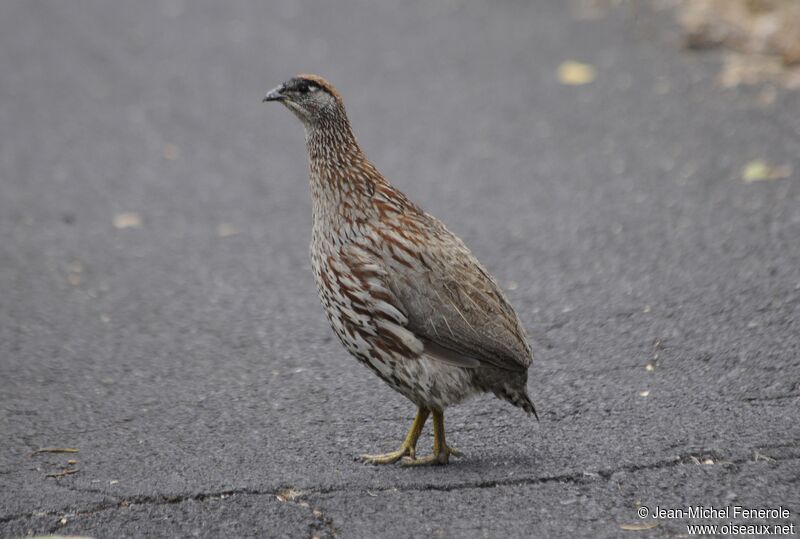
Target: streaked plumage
403, 294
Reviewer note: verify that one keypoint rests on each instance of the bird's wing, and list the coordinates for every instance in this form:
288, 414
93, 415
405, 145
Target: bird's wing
456, 304
453, 305
376, 315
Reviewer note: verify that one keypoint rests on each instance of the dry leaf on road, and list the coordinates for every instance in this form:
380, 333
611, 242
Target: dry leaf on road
758, 170
127, 219
575, 73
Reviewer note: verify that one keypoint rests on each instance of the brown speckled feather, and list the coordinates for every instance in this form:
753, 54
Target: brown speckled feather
449, 298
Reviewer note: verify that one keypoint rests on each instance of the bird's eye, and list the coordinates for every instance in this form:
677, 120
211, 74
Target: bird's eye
313, 88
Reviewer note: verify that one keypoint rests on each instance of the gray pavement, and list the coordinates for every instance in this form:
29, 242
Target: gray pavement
188, 360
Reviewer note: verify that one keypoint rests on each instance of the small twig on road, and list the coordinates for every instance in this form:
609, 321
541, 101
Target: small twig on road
62, 473
55, 450
760, 456
638, 526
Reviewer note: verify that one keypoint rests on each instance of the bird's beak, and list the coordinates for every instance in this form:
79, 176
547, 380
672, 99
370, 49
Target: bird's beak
275, 94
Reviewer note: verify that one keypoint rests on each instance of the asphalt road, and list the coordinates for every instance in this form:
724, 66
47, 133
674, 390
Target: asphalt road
183, 351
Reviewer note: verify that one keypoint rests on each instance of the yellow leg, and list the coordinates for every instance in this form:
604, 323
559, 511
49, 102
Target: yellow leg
409, 447
441, 451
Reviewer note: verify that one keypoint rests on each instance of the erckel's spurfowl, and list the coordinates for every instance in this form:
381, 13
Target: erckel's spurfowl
403, 294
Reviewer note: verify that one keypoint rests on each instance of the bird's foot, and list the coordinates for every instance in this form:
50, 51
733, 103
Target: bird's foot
408, 448
438, 458
389, 458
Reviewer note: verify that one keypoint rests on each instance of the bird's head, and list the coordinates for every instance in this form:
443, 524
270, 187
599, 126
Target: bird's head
309, 97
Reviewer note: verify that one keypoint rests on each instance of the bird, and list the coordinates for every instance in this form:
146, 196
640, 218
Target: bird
404, 295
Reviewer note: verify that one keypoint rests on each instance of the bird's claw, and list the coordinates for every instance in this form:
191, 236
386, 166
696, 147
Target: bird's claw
388, 458
440, 458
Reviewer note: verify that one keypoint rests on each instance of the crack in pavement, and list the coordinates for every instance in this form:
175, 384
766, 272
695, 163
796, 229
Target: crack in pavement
117, 503
301, 495
772, 397
160, 499
580, 477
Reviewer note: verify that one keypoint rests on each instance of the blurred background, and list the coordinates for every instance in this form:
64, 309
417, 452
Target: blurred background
627, 170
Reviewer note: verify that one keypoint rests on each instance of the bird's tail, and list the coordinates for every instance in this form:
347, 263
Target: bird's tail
527, 405
519, 399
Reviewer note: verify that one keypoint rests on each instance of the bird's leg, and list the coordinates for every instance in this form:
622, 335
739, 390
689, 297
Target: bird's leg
441, 451
409, 447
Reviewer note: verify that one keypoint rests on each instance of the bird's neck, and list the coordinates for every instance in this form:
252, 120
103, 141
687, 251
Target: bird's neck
330, 138
342, 178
